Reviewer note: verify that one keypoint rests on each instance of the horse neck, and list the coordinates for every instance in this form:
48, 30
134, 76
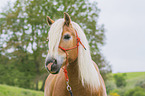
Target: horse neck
74, 80
73, 71
73, 74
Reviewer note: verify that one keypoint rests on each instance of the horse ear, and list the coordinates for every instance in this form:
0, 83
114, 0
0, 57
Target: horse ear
49, 21
67, 19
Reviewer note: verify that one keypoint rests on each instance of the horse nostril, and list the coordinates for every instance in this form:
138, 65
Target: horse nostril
48, 61
54, 61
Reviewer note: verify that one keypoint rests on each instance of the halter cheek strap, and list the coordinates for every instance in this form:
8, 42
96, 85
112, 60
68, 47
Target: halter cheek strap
65, 68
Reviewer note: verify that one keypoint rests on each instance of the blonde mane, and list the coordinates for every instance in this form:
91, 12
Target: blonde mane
87, 71
54, 36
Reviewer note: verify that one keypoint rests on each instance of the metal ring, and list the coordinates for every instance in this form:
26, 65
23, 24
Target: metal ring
68, 88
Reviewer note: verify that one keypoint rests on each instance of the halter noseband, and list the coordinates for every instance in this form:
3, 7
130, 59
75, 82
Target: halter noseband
65, 68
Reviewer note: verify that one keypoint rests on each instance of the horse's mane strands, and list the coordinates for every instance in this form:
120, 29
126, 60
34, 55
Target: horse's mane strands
55, 36
87, 70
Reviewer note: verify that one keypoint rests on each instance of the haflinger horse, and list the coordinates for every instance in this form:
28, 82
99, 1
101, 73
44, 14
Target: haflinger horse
73, 73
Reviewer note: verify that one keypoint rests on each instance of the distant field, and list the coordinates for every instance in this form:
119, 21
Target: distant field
134, 77
6, 90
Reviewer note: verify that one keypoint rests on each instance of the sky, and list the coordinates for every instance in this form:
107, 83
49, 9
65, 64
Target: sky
124, 22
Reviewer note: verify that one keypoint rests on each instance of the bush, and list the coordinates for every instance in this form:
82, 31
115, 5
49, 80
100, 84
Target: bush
141, 83
137, 91
120, 79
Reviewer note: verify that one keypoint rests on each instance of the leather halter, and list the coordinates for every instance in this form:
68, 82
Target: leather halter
65, 68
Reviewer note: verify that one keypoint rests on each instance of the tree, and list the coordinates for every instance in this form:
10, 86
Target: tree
120, 79
26, 31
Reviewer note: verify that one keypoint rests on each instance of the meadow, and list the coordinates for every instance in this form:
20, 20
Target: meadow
6, 90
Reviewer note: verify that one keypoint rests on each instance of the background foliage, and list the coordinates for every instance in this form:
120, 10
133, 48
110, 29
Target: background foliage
141, 83
134, 84
137, 91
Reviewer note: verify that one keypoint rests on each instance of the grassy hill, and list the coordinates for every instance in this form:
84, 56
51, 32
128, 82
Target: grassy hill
132, 78
6, 90
133, 75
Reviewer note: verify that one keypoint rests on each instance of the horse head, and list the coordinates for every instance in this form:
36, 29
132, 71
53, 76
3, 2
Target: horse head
57, 56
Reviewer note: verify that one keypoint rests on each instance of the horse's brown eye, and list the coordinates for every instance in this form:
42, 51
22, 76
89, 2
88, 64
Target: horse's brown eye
67, 37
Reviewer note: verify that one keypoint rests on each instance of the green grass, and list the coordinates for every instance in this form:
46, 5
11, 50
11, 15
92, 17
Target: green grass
133, 75
6, 90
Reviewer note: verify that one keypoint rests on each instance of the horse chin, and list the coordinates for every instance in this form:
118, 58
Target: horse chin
55, 72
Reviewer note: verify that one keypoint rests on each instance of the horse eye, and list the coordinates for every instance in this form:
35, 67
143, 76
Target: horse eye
67, 36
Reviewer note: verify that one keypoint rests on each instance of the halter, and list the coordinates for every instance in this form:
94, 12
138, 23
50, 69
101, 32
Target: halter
65, 68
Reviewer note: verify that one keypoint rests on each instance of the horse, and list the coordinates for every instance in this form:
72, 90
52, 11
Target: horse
72, 70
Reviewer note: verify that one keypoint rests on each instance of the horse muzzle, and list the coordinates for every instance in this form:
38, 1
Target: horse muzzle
53, 65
